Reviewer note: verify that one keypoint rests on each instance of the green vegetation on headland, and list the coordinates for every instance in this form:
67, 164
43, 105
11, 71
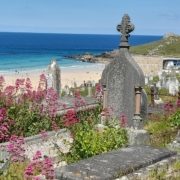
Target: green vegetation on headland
167, 46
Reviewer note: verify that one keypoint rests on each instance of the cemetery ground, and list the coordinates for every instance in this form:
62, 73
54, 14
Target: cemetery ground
25, 112
104, 136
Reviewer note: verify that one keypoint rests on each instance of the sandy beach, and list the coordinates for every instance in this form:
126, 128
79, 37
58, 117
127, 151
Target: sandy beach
150, 65
68, 75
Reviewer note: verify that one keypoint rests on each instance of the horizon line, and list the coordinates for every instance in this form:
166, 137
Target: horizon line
26, 32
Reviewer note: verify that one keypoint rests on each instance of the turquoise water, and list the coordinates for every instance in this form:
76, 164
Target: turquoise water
27, 51
27, 62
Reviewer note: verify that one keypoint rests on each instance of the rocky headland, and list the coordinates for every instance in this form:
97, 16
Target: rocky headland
148, 56
101, 58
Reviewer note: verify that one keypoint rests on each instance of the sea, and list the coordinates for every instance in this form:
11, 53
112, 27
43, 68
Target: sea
34, 51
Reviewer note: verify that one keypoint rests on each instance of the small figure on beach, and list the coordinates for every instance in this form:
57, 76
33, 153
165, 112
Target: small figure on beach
85, 84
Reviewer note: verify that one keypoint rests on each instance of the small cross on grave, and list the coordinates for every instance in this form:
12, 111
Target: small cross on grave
125, 28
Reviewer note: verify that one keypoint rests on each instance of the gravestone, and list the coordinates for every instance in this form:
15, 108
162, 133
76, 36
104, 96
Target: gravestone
156, 92
89, 85
173, 86
49, 78
121, 77
146, 79
66, 90
54, 77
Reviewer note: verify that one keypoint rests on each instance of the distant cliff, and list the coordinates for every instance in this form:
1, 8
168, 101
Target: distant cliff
169, 45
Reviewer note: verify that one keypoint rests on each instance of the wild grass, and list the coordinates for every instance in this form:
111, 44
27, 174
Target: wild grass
164, 47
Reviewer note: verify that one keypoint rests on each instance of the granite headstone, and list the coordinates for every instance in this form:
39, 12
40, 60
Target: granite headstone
121, 77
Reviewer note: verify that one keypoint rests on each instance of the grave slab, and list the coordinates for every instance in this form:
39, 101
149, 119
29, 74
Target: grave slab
113, 164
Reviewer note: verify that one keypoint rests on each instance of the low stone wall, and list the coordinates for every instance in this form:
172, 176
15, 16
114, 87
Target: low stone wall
51, 144
150, 65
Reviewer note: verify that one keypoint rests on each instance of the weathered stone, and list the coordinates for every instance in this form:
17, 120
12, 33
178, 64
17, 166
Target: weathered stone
113, 164
121, 76
54, 76
4, 159
138, 137
137, 122
50, 144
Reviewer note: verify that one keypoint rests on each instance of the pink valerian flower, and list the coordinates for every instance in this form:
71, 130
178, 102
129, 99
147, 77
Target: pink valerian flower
9, 91
16, 148
37, 178
38, 96
98, 91
178, 103
39, 166
168, 107
34, 167
42, 82
5, 124
64, 106
48, 169
123, 120
2, 114
28, 173
70, 118
44, 135
107, 112
28, 95
19, 83
43, 77
28, 84
78, 100
52, 102
37, 156
54, 126
4, 132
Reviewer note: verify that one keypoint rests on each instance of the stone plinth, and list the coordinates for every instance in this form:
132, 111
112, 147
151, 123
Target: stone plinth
138, 137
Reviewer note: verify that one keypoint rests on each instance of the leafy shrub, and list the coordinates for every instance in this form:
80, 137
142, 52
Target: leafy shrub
175, 119
89, 141
155, 79
28, 122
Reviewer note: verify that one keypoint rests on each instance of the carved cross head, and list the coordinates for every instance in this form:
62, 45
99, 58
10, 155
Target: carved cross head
125, 28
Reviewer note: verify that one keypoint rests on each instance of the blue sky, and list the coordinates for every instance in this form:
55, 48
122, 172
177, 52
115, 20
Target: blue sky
151, 17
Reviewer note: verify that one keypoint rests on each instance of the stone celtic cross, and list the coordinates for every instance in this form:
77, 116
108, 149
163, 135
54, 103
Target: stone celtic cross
125, 28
